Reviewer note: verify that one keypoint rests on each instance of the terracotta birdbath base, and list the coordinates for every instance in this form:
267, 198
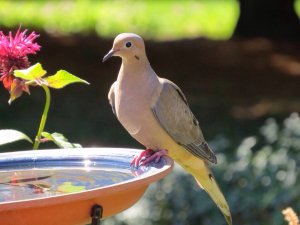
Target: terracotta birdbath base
61, 187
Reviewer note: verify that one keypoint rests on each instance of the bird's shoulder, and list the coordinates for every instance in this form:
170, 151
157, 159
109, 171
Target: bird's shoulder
168, 87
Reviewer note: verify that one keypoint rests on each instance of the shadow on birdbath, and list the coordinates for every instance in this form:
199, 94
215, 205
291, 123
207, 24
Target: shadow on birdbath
62, 186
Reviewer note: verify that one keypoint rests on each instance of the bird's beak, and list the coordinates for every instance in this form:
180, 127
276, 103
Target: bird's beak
110, 54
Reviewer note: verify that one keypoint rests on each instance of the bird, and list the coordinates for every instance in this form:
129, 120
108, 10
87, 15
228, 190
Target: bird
156, 113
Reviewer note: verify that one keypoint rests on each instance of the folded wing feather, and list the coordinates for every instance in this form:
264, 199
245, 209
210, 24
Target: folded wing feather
173, 113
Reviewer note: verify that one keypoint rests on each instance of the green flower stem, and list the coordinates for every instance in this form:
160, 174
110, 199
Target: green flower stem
44, 117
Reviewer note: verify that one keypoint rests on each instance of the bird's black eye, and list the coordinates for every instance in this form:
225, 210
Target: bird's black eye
128, 44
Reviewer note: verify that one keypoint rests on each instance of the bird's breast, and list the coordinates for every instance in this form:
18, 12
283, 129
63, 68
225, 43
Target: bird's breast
132, 107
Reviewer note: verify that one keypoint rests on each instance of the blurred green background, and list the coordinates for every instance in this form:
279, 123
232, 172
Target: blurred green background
242, 83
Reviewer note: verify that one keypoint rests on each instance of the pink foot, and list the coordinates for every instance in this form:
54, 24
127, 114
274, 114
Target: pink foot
147, 156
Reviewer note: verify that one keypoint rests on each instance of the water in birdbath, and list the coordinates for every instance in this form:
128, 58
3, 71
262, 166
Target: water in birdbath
37, 183
38, 174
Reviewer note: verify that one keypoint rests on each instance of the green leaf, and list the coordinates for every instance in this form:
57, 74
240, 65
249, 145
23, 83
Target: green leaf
8, 136
60, 140
62, 78
68, 187
32, 73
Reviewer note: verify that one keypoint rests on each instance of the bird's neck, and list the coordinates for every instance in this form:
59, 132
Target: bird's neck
136, 69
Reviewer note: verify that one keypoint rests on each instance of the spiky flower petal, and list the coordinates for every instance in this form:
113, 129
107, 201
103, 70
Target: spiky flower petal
13, 55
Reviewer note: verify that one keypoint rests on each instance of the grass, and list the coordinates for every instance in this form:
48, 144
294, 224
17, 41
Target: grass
166, 19
297, 7
153, 19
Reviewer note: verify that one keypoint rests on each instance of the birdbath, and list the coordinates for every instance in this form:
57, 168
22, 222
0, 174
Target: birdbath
72, 186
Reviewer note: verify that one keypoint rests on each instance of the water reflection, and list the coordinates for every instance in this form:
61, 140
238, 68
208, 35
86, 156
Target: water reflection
37, 183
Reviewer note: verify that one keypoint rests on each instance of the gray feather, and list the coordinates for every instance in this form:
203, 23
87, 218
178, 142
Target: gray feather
173, 113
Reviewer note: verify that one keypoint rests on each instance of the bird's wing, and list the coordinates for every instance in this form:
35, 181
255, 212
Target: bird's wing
174, 115
111, 97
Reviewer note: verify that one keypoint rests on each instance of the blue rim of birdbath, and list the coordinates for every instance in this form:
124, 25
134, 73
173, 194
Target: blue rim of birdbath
119, 158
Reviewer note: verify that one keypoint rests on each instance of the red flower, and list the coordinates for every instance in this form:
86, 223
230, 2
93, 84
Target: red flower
13, 55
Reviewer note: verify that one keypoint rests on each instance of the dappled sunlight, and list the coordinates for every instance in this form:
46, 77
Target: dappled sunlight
265, 107
286, 63
257, 45
160, 20
271, 170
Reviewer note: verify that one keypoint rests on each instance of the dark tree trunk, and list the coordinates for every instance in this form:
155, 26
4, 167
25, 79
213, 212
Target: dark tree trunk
275, 19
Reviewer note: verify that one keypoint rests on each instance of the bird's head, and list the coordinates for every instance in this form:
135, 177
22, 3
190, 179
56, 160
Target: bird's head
128, 46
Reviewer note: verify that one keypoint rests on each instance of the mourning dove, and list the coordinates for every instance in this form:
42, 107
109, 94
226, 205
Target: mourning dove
155, 112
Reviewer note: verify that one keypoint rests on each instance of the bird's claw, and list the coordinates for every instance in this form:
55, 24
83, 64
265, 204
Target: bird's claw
147, 156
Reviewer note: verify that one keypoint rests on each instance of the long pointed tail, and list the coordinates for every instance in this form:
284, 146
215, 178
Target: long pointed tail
207, 181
